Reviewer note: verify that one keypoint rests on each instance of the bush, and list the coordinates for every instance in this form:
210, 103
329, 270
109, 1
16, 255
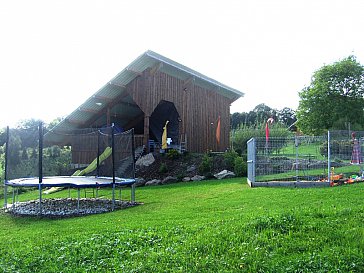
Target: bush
240, 166
229, 159
206, 165
163, 168
172, 154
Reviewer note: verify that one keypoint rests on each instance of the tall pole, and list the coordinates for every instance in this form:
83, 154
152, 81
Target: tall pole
6, 168
40, 165
133, 155
113, 165
296, 145
328, 157
98, 154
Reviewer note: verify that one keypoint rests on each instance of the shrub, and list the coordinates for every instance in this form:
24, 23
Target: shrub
172, 154
240, 166
205, 166
229, 159
163, 168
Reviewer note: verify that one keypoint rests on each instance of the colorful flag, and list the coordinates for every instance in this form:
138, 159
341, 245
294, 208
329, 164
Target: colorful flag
164, 136
218, 131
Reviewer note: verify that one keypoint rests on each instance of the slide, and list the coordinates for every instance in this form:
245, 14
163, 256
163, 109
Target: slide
88, 169
93, 164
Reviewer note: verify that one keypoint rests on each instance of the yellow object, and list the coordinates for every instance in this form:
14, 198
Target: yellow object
93, 164
164, 136
88, 169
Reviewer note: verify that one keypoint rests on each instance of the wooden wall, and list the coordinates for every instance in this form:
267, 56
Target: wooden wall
198, 108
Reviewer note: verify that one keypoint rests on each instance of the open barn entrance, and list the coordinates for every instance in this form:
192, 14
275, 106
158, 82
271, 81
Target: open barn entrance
164, 111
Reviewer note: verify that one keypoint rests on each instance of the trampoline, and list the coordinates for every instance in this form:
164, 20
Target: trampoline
80, 158
70, 182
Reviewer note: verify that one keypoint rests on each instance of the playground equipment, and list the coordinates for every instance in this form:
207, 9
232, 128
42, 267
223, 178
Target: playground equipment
68, 159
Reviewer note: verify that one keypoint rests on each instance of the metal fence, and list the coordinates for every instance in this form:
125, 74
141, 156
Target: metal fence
333, 158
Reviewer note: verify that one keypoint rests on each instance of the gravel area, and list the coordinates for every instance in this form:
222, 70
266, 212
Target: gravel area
67, 207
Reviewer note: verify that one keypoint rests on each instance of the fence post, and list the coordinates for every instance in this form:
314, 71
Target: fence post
40, 167
296, 145
6, 168
113, 164
328, 157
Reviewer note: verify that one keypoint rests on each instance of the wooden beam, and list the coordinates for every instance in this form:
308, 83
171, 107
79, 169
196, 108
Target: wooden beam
135, 72
88, 110
146, 132
108, 100
117, 84
75, 122
188, 81
156, 68
110, 105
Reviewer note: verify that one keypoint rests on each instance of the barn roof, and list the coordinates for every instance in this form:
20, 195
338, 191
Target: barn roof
115, 89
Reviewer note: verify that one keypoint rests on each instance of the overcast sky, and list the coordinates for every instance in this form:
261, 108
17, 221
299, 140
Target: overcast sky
56, 54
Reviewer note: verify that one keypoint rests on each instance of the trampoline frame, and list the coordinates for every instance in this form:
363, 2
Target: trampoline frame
69, 182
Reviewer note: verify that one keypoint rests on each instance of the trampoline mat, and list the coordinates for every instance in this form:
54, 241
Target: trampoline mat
70, 181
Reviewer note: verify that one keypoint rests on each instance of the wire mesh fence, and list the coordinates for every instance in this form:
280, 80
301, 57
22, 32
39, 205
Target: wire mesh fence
65, 152
335, 157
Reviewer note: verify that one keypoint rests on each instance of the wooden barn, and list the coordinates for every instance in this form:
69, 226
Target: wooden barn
154, 89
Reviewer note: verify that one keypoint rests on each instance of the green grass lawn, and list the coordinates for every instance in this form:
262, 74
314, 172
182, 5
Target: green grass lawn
210, 226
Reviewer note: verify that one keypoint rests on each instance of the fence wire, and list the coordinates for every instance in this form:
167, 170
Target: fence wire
306, 158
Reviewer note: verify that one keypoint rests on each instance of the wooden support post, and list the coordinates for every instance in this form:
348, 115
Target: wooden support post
146, 132
108, 121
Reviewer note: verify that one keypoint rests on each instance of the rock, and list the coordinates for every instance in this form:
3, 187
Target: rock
197, 178
169, 180
224, 174
186, 179
191, 169
145, 161
140, 181
153, 182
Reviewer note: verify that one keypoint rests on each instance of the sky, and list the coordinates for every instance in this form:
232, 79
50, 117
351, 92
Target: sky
54, 54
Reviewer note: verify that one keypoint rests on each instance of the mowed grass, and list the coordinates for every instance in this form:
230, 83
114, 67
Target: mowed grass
210, 226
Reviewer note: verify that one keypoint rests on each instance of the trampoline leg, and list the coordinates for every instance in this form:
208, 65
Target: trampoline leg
133, 193
113, 197
97, 193
120, 194
78, 200
17, 196
40, 198
6, 196
13, 198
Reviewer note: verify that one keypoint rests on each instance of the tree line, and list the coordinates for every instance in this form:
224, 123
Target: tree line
260, 114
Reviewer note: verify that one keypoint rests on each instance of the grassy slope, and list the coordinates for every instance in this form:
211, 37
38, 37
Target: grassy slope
212, 226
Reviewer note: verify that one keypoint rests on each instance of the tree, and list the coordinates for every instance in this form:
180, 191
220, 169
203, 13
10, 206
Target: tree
286, 116
333, 99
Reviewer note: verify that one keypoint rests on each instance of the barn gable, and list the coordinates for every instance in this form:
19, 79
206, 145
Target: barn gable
153, 89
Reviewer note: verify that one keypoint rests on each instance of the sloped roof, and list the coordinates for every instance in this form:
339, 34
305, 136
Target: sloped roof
115, 89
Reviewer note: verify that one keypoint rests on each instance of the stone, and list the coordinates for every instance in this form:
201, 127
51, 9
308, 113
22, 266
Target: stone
145, 161
191, 169
153, 182
224, 174
140, 181
186, 179
169, 180
198, 178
